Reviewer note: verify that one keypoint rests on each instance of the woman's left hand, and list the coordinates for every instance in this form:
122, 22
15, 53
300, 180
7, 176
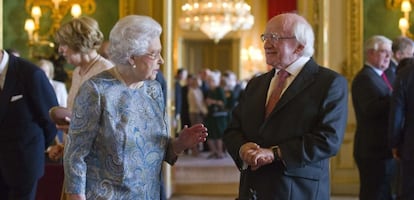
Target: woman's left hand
190, 136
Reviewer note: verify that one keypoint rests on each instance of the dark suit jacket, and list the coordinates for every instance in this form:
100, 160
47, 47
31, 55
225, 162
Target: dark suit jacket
402, 114
391, 71
185, 109
308, 124
178, 98
160, 78
371, 100
25, 126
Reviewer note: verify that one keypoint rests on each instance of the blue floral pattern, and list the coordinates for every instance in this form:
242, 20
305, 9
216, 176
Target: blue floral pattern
117, 140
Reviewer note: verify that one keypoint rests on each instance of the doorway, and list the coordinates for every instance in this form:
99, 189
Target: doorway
201, 54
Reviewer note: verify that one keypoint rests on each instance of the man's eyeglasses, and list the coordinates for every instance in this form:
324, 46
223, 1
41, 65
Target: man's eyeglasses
274, 37
384, 51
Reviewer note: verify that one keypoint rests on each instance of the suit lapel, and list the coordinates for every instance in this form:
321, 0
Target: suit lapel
305, 77
262, 98
9, 87
378, 81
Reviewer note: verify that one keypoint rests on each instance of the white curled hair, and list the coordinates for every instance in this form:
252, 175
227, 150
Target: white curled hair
131, 36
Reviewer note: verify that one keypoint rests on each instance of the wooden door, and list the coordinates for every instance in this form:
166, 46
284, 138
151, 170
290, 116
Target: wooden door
200, 54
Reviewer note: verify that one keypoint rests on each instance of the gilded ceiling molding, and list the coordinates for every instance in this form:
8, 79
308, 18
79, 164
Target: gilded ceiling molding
354, 38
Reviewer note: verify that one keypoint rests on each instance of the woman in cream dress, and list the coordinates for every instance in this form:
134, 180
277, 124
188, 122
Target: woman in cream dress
79, 40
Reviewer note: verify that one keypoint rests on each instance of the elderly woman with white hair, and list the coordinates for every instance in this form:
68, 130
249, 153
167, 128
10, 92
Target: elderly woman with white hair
119, 137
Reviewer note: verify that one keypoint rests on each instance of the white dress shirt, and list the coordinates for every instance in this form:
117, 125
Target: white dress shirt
3, 68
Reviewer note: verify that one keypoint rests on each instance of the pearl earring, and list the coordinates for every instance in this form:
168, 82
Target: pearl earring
134, 66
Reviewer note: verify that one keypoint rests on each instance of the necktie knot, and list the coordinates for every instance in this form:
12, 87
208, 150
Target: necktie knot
283, 74
384, 77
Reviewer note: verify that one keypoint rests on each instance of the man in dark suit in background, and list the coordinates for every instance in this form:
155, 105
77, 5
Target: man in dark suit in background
371, 93
284, 153
401, 129
25, 127
402, 47
179, 102
160, 78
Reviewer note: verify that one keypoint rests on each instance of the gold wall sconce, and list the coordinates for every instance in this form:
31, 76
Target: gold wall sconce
404, 23
52, 11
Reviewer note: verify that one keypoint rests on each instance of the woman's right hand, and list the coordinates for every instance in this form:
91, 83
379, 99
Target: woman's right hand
55, 152
189, 137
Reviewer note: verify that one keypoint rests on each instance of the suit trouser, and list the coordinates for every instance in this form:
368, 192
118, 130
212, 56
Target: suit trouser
22, 191
407, 174
396, 181
375, 176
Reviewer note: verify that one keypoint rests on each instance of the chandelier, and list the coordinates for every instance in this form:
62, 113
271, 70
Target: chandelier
216, 18
51, 12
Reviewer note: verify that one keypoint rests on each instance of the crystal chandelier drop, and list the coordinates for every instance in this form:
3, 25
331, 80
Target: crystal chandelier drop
216, 18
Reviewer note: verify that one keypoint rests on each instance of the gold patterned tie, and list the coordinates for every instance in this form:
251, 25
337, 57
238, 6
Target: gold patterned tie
280, 85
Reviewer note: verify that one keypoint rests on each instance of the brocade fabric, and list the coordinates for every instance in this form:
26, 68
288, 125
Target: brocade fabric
117, 140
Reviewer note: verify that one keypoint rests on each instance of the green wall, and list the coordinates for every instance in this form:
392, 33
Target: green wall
379, 20
14, 16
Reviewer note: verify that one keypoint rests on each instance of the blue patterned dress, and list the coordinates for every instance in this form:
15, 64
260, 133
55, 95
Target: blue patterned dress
117, 141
